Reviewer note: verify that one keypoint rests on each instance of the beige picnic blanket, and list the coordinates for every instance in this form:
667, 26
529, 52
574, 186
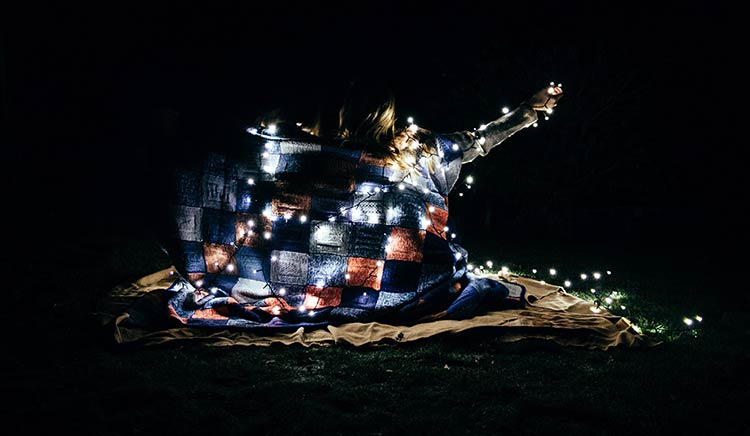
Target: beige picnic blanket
550, 314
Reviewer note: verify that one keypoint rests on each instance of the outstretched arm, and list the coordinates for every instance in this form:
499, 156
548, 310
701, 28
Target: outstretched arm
481, 141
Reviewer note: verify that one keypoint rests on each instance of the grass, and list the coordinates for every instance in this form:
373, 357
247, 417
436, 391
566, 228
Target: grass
63, 375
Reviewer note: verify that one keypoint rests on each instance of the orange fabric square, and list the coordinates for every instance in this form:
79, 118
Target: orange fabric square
219, 258
364, 272
316, 297
289, 205
438, 220
207, 314
405, 244
249, 229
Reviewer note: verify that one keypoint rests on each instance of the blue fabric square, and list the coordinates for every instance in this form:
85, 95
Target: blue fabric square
251, 263
222, 281
192, 256
359, 297
291, 235
404, 210
437, 251
218, 226
400, 276
326, 206
369, 240
187, 187
328, 269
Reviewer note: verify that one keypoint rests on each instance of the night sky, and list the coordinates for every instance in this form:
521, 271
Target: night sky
96, 102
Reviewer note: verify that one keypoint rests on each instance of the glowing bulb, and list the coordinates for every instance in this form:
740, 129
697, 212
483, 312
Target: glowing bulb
597, 276
455, 147
265, 154
622, 307
469, 267
567, 283
269, 145
410, 120
199, 283
506, 110
216, 264
440, 153
593, 291
252, 130
230, 267
274, 258
446, 228
401, 186
379, 263
698, 318
457, 256
453, 236
549, 110
431, 208
505, 270
267, 235
282, 291
302, 308
347, 276
489, 264
584, 276
214, 290
552, 271
271, 129
535, 124
460, 194
470, 180
533, 271
551, 83
250, 181
171, 273
546, 117
287, 215
609, 273
299, 124
483, 127
413, 128
331, 219
377, 189
608, 300
559, 85
275, 310
687, 321
250, 223
320, 283
550, 90
303, 218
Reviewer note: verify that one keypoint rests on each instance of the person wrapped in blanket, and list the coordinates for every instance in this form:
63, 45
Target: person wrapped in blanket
330, 224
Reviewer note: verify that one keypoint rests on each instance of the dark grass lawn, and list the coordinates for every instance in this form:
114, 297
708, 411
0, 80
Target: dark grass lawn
63, 375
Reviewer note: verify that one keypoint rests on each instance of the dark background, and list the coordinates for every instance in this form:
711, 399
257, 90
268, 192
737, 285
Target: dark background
96, 101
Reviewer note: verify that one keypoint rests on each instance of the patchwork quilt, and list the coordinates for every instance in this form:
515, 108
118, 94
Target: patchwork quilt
295, 231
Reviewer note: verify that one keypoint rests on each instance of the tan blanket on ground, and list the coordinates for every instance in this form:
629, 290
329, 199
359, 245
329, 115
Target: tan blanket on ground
550, 314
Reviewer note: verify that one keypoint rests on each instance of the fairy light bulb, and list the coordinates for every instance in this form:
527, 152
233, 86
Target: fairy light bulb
593, 291
250, 181
552, 271
453, 236
535, 125
302, 308
271, 129
230, 267
688, 322
267, 235
303, 219
320, 284
698, 318
623, 307
551, 83
469, 180
410, 120
533, 271
550, 90
199, 283
568, 283
609, 273
608, 300
457, 256
483, 127
455, 147
269, 145
584, 276
506, 110
460, 194
489, 264
470, 267
505, 270
275, 311
282, 291
347, 276
274, 258
251, 223
446, 228
252, 130
401, 186
597, 276
413, 128
431, 209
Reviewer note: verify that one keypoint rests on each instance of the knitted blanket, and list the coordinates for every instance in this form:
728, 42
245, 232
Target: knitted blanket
296, 232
